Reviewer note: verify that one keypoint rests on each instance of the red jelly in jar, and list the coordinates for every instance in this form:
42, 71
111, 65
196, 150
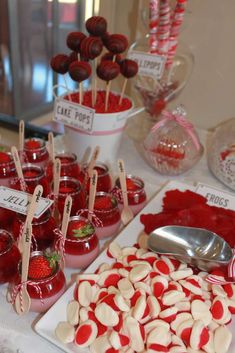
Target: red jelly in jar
72, 187
9, 257
69, 166
42, 230
33, 176
47, 281
135, 193
107, 210
81, 244
104, 182
7, 169
35, 152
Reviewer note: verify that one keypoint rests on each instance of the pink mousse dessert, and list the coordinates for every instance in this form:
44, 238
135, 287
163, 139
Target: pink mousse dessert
47, 281
106, 209
81, 244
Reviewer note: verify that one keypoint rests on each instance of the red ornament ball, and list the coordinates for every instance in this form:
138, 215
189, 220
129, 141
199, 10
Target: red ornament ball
117, 43
74, 40
79, 70
107, 70
60, 63
91, 47
96, 25
128, 68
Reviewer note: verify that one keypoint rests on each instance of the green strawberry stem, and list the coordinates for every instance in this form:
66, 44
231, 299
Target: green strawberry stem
83, 231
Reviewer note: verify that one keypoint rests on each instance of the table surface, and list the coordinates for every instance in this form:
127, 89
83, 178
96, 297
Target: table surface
16, 333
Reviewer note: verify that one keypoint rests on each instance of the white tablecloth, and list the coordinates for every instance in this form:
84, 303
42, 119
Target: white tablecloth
16, 333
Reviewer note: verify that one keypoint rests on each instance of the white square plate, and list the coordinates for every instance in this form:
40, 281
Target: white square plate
47, 324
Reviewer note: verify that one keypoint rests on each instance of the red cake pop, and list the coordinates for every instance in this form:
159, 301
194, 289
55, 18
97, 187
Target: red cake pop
91, 47
96, 25
107, 70
105, 38
60, 63
117, 43
128, 68
110, 56
79, 70
74, 40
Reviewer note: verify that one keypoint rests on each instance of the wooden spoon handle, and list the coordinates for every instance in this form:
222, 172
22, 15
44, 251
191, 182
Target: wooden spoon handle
57, 168
51, 147
21, 135
92, 191
27, 235
16, 159
93, 160
122, 179
66, 214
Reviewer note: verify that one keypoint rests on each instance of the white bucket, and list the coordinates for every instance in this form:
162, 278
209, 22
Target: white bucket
106, 132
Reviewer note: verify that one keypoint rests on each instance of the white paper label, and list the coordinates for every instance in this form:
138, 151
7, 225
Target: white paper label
73, 114
216, 197
19, 201
149, 64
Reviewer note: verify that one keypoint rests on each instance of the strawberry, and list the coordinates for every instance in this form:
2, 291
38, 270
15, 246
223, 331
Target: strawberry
104, 203
4, 157
32, 144
42, 266
79, 229
131, 185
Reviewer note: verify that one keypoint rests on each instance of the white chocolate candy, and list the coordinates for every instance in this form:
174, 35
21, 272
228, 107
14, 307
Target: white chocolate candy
100, 344
126, 288
106, 315
179, 319
154, 306
181, 274
84, 293
86, 334
155, 323
138, 273
222, 339
134, 333
65, 332
115, 250
201, 311
159, 335
218, 290
103, 267
198, 335
91, 277
139, 308
172, 297
121, 303
73, 312
118, 340
106, 278
209, 347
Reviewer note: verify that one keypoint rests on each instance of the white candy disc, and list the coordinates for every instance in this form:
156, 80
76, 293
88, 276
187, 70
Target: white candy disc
129, 250
106, 315
171, 297
99, 294
139, 308
103, 267
126, 288
181, 274
118, 340
143, 286
138, 273
84, 293
115, 250
183, 306
83, 314
169, 314
121, 303
184, 330
222, 339
219, 310
113, 290
123, 272
86, 333
156, 323
100, 345
201, 311
158, 285
218, 290
134, 263
192, 285
159, 335
65, 332
140, 252
177, 349
154, 306
209, 347
179, 319
73, 312
199, 335
108, 278
134, 333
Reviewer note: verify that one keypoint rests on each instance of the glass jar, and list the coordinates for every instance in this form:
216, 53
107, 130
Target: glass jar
107, 210
35, 152
135, 193
72, 187
34, 175
69, 166
104, 182
42, 230
9, 257
82, 249
7, 169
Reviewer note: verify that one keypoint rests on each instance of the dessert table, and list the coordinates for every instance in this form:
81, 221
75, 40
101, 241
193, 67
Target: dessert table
17, 333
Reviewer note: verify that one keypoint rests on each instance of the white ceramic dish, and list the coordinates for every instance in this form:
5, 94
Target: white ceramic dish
47, 324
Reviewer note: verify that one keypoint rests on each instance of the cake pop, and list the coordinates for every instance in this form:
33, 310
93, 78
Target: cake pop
128, 68
91, 47
96, 25
60, 63
117, 43
79, 71
74, 40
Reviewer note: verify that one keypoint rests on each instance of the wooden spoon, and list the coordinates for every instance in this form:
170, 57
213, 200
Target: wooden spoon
51, 146
16, 159
65, 221
21, 135
93, 160
56, 186
92, 193
126, 214
22, 300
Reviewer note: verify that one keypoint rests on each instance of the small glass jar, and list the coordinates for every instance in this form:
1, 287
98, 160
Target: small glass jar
72, 187
7, 169
104, 182
9, 257
35, 152
34, 175
135, 193
107, 210
6, 218
42, 230
80, 250
51, 288
69, 166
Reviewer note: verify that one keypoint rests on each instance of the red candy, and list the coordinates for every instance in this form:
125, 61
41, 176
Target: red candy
128, 68
60, 63
107, 70
91, 47
96, 25
74, 40
79, 70
117, 43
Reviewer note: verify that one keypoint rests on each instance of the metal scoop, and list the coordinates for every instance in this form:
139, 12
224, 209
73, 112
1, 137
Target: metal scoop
196, 246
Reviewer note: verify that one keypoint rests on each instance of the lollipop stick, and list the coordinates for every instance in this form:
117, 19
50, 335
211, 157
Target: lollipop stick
123, 91
94, 92
67, 87
21, 135
107, 95
92, 193
80, 93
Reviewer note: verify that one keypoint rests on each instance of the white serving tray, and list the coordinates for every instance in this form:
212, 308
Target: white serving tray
128, 236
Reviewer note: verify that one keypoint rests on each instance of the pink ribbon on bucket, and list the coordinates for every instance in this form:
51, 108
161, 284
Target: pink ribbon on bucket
182, 121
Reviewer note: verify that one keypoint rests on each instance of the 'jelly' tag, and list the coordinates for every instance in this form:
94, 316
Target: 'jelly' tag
19, 201
149, 64
216, 197
74, 115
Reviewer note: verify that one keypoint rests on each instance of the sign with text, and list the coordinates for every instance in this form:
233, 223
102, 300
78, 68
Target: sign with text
149, 64
19, 201
74, 115
216, 197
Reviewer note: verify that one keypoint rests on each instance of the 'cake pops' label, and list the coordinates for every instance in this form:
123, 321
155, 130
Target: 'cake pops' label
149, 64
19, 201
216, 197
74, 115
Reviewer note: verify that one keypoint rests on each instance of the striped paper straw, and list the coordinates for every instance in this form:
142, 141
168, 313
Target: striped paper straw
153, 24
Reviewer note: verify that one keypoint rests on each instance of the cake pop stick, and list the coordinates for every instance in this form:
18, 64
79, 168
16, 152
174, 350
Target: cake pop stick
65, 221
22, 299
19, 171
79, 71
60, 64
128, 68
21, 135
92, 193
